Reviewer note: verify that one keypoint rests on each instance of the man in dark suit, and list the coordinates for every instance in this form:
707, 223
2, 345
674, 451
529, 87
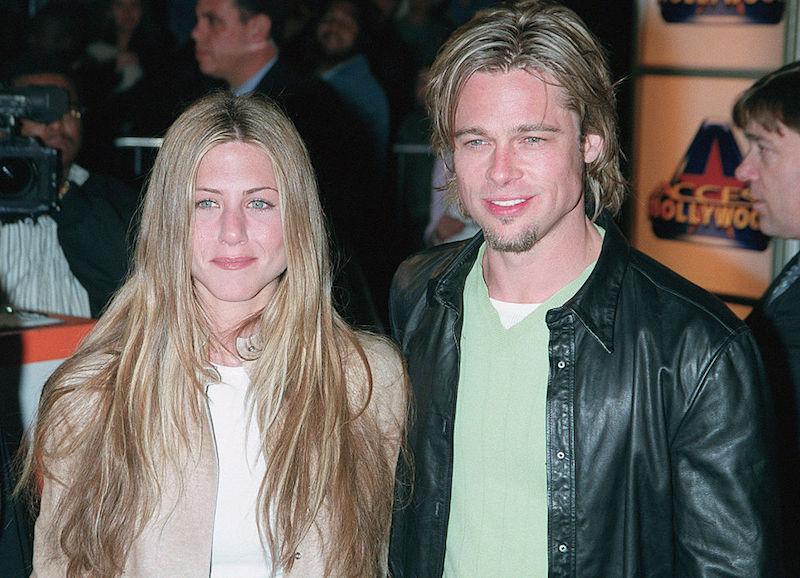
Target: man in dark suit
768, 113
235, 42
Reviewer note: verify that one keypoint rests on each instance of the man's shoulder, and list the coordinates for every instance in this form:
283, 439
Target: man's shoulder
102, 183
284, 81
113, 191
664, 291
415, 272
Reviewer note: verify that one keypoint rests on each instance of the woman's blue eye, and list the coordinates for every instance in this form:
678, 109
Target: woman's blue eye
205, 204
260, 204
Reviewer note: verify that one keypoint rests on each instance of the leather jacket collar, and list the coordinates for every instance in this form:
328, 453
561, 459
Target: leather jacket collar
595, 303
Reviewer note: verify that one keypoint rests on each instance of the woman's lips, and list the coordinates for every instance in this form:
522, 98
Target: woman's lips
233, 263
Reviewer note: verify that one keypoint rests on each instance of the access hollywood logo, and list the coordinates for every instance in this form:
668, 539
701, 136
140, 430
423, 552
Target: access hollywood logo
704, 202
722, 11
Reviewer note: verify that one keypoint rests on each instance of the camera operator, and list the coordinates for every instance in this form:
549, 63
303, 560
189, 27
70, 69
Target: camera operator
71, 260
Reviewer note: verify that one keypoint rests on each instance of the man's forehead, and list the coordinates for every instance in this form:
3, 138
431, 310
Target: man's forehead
537, 90
756, 130
542, 82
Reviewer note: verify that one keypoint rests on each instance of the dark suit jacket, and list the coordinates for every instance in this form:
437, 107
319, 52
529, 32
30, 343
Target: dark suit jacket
95, 231
775, 322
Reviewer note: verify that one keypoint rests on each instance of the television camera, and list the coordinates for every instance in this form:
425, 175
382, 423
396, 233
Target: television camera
30, 173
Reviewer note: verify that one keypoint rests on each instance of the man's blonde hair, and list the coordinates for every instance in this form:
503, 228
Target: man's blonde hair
544, 39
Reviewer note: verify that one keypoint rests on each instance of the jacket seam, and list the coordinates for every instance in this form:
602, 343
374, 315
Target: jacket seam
700, 386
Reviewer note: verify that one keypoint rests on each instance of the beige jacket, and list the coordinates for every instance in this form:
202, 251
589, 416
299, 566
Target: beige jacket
177, 541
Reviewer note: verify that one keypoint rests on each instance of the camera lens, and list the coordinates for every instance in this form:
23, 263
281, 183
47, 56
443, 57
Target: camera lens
16, 176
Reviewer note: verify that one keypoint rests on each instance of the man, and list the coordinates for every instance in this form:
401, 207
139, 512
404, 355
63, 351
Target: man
72, 260
770, 118
339, 35
234, 42
580, 409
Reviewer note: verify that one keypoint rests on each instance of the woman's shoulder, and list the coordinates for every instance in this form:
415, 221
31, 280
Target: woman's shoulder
74, 385
387, 371
80, 370
383, 356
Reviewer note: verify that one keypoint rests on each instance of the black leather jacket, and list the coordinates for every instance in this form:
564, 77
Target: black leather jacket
657, 432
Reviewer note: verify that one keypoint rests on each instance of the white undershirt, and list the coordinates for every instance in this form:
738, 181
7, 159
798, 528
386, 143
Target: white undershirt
237, 549
512, 313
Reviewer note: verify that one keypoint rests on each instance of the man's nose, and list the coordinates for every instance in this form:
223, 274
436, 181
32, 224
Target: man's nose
745, 171
503, 166
196, 31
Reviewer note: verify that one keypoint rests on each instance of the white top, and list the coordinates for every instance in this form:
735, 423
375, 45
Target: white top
237, 549
512, 313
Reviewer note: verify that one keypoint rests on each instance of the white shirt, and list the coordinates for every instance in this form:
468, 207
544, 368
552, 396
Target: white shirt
34, 272
237, 550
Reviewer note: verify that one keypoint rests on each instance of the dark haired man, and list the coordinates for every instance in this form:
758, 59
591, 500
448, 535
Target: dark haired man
769, 114
580, 409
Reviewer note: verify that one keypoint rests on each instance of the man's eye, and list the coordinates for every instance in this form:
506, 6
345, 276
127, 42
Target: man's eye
205, 204
533, 139
476, 142
260, 204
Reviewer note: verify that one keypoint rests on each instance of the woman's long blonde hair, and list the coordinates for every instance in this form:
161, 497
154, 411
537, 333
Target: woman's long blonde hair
142, 372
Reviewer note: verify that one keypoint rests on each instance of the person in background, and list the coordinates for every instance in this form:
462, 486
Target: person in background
69, 261
221, 418
581, 410
339, 35
769, 115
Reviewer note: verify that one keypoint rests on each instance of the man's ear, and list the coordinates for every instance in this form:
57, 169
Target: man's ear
259, 28
592, 147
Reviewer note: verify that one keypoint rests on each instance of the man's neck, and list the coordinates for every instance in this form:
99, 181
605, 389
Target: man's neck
251, 64
535, 275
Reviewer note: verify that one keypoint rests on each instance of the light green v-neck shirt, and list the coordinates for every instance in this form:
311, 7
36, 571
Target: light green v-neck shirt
498, 512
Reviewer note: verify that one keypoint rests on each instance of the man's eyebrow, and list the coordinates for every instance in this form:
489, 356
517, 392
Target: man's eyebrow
523, 128
473, 130
754, 137
538, 127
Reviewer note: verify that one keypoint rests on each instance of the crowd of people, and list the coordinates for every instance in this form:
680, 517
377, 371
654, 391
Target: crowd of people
551, 401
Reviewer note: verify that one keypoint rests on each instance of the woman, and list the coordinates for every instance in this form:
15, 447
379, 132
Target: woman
150, 462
